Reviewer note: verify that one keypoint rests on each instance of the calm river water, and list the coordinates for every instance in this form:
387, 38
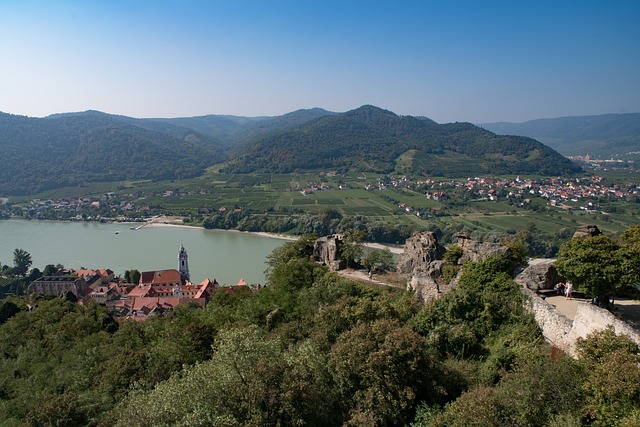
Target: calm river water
224, 256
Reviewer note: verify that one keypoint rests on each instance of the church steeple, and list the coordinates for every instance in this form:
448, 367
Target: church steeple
183, 264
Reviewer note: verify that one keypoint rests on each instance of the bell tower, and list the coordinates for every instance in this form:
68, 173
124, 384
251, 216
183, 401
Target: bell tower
183, 264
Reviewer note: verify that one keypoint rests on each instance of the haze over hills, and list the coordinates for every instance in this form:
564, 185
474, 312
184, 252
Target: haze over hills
233, 129
603, 136
72, 149
372, 139
76, 148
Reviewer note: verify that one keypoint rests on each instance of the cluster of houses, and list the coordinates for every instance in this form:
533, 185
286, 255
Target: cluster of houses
564, 193
156, 293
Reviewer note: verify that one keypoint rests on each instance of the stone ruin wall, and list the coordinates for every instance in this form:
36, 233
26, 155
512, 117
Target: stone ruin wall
561, 331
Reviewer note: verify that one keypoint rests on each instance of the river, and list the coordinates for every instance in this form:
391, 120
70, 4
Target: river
221, 255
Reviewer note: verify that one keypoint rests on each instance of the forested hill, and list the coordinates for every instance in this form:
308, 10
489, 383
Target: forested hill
76, 148
72, 149
603, 136
373, 139
235, 129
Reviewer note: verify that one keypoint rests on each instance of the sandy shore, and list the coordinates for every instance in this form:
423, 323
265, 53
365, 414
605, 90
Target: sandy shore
165, 222
393, 248
160, 224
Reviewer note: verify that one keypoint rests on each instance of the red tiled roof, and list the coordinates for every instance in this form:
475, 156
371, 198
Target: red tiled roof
166, 302
160, 277
140, 291
85, 273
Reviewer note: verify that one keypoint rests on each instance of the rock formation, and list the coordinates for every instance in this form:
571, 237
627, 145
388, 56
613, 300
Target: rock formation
539, 274
326, 251
419, 251
472, 250
587, 231
421, 262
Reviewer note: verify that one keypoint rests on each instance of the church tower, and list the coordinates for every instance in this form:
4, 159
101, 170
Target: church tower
183, 264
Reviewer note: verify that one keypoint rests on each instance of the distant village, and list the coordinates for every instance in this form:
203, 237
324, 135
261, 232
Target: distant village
155, 293
585, 194
563, 193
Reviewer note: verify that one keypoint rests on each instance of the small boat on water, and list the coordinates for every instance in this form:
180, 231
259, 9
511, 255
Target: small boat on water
117, 232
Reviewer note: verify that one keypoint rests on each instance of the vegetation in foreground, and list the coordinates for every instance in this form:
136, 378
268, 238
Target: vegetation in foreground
313, 349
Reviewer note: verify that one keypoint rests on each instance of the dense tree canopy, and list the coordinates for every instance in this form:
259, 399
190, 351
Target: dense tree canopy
596, 265
372, 139
313, 348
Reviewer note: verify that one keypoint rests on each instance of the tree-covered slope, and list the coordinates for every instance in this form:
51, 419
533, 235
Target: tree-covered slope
313, 349
608, 135
373, 139
76, 148
233, 129
72, 149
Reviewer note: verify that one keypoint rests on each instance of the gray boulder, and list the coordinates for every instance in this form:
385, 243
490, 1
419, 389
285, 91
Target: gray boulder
539, 274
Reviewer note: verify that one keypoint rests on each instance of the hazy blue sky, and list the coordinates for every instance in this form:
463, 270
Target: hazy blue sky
449, 60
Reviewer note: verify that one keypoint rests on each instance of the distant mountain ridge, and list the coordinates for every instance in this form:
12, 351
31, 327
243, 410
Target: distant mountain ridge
72, 149
604, 136
372, 139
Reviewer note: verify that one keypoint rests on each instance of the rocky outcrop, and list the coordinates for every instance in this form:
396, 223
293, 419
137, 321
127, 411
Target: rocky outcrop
326, 251
430, 284
539, 274
421, 262
472, 250
420, 250
587, 231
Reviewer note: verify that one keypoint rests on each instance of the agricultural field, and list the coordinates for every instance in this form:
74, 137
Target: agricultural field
380, 198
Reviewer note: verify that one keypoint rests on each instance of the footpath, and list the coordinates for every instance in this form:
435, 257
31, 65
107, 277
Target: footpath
625, 309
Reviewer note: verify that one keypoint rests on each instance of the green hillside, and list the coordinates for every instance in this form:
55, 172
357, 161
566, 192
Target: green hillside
73, 149
603, 136
233, 129
372, 139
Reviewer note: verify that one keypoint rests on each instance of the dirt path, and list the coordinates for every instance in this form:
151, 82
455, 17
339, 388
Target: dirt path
376, 279
626, 309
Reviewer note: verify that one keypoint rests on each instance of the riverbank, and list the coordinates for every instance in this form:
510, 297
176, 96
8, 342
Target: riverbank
160, 222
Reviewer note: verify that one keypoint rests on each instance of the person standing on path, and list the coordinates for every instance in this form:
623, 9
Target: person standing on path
569, 290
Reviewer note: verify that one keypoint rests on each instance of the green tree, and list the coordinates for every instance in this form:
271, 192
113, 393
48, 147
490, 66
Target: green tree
518, 247
612, 387
630, 252
351, 248
453, 254
49, 270
381, 371
301, 248
593, 264
132, 276
21, 261
8, 309
379, 258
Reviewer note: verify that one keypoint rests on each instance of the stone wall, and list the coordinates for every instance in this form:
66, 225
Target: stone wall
562, 332
555, 326
590, 318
